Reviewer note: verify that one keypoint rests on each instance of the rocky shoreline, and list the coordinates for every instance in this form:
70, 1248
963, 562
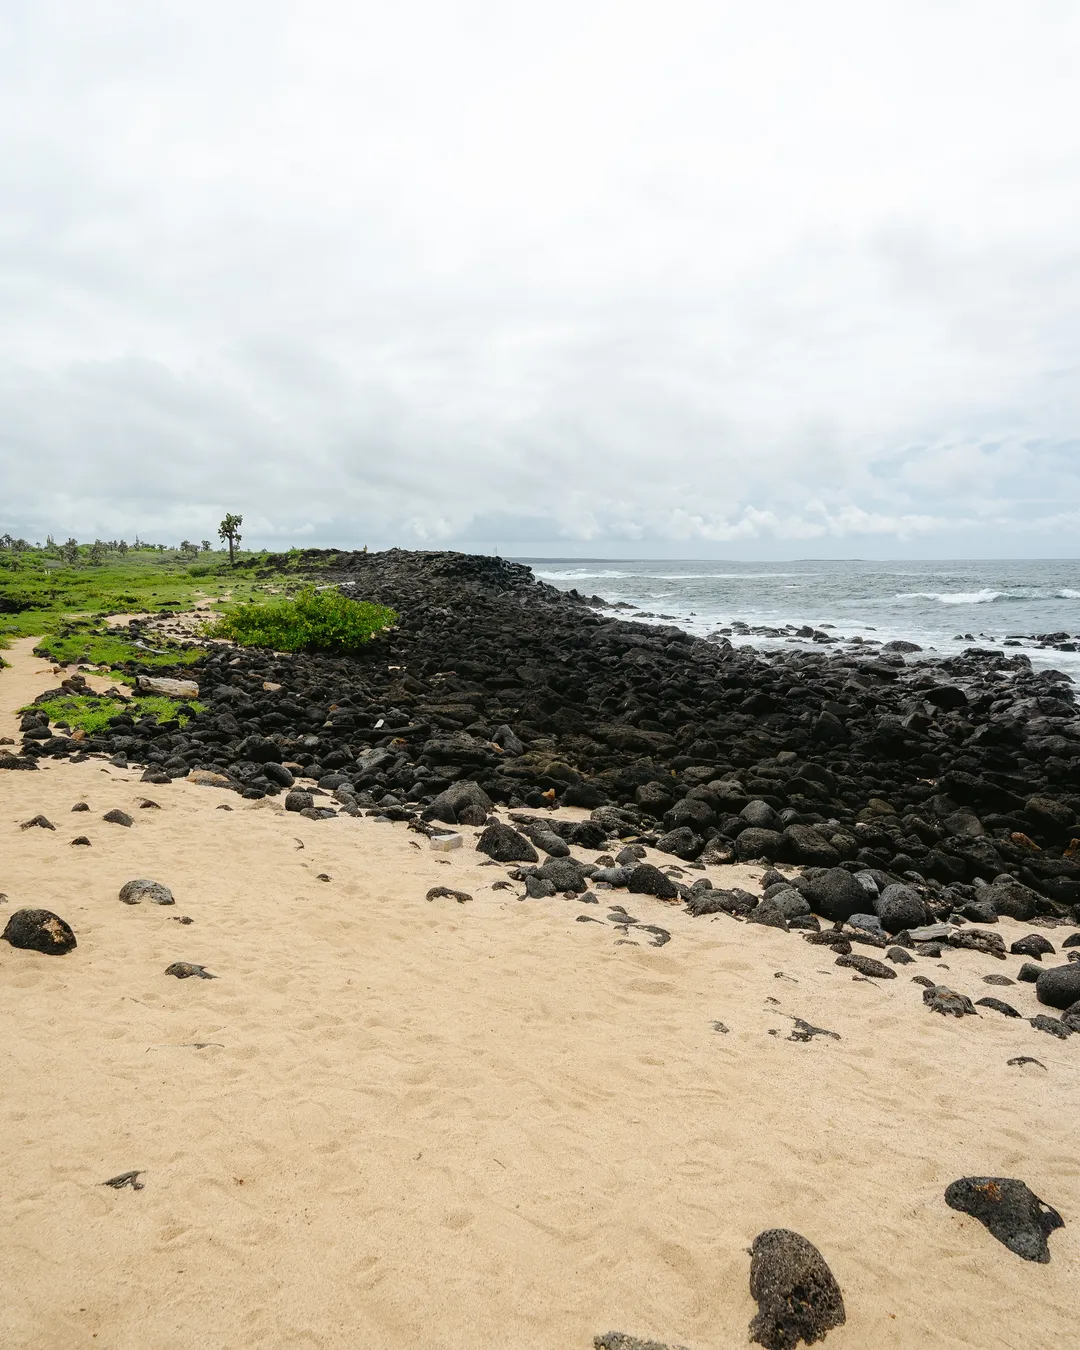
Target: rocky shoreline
958, 777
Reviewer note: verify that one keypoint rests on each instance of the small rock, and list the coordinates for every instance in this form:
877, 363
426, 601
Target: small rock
866, 965
134, 892
438, 892
39, 930
939, 998
646, 879
299, 800
125, 1179
899, 956
80, 806
997, 979
1021, 1060
38, 822
183, 970
998, 1005
118, 817
797, 1294
616, 1340
445, 843
1052, 1025
1013, 1213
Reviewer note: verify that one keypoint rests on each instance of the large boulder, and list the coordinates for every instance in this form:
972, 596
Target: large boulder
805, 845
1059, 987
899, 907
454, 799
692, 812
683, 843
39, 930
646, 879
504, 844
1010, 900
754, 843
761, 816
836, 895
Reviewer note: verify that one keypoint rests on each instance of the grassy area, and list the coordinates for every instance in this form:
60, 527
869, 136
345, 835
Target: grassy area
41, 589
313, 620
94, 712
86, 643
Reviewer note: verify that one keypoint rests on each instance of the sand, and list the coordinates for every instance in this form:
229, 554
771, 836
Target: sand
391, 1122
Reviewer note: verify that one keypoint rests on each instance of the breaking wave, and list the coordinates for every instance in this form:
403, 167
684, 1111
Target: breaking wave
983, 597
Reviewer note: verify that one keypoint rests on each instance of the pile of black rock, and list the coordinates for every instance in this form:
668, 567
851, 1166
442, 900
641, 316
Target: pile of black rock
952, 775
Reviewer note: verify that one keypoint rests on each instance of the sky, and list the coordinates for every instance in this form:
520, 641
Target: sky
680, 279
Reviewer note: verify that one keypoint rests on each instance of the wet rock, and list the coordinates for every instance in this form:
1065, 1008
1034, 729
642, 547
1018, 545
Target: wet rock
998, 1005
39, 930
866, 965
646, 879
505, 844
1034, 944
939, 998
135, 892
1012, 1212
118, 817
1058, 987
900, 907
797, 1294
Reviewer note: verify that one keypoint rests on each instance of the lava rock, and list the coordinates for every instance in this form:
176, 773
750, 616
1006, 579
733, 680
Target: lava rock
768, 912
866, 965
299, 800
1059, 987
1012, 1212
939, 998
759, 843
1034, 944
998, 1005
118, 817
135, 892
505, 844
797, 1294
646, 879
900, 907
1059, 1028
681, 842
183, 970
760, 815
565, 874
836, 895
39, 930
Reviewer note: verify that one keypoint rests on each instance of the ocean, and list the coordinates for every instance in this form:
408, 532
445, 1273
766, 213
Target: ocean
945, 607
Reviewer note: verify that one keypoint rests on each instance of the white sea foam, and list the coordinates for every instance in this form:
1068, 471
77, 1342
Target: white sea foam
1066, 594
983, 597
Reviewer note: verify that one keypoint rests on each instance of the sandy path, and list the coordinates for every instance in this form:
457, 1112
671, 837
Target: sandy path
424, 1124
28, 675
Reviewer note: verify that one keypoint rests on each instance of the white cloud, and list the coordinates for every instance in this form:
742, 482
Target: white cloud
714, 277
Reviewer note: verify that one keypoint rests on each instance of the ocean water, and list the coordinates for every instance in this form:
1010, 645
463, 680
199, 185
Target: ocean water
943, 606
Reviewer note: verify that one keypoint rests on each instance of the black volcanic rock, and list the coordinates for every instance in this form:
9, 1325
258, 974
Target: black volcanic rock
797, 1294
39, 930
504, 844
1012, 1212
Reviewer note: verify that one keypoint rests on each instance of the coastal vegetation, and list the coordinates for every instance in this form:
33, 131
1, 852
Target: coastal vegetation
313, 620
93, 712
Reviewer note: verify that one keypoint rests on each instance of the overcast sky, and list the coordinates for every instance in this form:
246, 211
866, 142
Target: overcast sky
746, 280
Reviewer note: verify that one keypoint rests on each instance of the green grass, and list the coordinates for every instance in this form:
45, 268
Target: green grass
93, 712
314, 620
79, 643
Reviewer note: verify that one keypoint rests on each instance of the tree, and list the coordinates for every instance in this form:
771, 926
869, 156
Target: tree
122, 547
70, 552
206, 546
229, 531
97, 553
188, 549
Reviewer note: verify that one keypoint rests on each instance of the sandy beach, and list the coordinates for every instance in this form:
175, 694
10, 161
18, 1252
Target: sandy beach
398, 1122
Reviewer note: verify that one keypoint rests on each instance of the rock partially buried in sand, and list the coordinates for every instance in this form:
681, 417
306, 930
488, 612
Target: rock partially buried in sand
118, 817
183, 970
939, 998
39, 930
797, 1294
440, 892
616, 1340
135, 892
1013, 1213
38, 822
203, 777
866, 965
1059, 987
646, 879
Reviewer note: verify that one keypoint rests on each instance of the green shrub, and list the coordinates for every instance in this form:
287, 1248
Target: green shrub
111, 649
315, 621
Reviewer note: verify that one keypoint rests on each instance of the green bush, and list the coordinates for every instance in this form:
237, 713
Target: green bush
315, 621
